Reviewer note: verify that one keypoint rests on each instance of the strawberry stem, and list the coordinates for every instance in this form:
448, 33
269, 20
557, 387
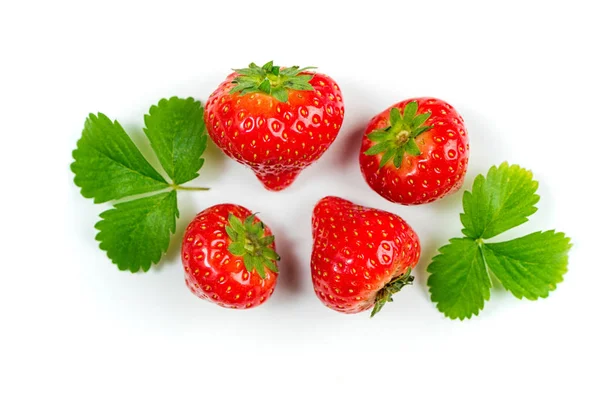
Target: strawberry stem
394, 286
177, 187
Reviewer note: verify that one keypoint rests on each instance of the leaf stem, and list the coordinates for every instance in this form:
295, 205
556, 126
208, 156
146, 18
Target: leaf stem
177, 187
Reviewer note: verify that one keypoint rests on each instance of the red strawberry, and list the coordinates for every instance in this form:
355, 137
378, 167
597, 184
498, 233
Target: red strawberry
275, 120
229, 257
415, 151
361, 256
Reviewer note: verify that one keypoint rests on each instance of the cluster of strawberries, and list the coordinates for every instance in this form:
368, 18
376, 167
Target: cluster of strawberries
278, 121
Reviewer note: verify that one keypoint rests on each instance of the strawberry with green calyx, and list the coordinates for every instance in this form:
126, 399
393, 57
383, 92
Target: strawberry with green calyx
415, 152
275, 120
229, 257
361, 256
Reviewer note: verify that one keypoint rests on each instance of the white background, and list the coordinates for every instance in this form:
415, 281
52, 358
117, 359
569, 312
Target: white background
524, 76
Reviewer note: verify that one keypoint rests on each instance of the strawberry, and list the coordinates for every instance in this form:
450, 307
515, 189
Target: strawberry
275, 120
361, 256
229, 257
415, 151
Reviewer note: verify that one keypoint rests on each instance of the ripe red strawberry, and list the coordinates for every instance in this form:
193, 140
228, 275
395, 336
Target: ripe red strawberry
275, 120
361, 256
415, 151
229, 257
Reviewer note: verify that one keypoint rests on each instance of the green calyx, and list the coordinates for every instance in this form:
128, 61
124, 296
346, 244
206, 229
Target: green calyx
394, 286
248, 241
399, 137
272, 80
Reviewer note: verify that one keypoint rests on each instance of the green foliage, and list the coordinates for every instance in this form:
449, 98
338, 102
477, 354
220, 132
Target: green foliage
530, 266
108, 166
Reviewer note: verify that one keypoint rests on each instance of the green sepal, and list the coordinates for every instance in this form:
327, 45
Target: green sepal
380, 135
387, 156
399, 137
280, 94
249, 241
398, 159
272, 80
385, 294
378, 148
237, 249
412, 148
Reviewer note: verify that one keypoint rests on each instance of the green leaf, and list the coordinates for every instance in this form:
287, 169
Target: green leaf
176, 131
377, 148
136, 233
409, 111
237, 249
530, 266
412, 148
459, 282
108, 165
395, 117
502, 200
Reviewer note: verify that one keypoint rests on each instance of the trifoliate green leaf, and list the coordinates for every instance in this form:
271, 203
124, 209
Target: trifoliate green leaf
135, 234
502, 200
108, 165
529, 266
459, 282
176, 131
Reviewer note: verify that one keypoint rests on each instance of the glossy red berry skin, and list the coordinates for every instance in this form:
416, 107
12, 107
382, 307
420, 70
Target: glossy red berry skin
276, 140
212, 272
356, 252
437, 172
